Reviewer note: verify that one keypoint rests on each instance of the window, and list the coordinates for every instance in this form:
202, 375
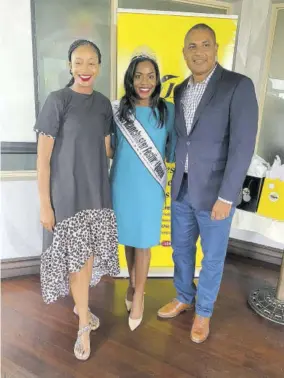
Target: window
56, 24
174, 6
271, 136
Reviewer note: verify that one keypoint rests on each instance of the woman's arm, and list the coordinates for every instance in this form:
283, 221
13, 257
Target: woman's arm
45, 147
109, 149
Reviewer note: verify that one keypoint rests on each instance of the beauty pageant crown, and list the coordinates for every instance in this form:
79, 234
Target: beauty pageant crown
143, 52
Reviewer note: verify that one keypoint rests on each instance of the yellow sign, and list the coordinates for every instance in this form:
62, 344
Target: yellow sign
271, 203
163, 34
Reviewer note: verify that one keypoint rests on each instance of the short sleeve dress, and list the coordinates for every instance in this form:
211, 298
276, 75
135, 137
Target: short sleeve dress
80, 190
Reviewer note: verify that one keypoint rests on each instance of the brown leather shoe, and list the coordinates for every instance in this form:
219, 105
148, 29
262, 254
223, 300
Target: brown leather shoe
173, 309
200, 329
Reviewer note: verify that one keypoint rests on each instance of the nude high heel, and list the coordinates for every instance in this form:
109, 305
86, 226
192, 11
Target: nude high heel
135, 323
128, 304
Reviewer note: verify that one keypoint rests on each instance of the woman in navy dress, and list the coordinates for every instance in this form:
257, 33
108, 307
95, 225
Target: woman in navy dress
80, 238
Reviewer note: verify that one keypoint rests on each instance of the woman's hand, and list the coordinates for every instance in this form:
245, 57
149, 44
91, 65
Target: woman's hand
47, 218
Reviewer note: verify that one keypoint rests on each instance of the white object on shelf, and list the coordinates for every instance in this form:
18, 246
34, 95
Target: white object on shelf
258, 167
277, 170
267, 227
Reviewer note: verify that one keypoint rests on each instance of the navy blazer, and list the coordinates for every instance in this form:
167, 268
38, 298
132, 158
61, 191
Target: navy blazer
221, 141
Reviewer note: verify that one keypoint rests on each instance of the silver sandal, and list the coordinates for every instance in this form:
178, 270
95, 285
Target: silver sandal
79, 350
94, 320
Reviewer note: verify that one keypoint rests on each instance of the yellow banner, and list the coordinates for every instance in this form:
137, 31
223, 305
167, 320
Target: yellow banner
163, 34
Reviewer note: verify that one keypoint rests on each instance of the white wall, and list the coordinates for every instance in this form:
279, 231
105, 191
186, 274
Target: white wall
17, 105
21, 233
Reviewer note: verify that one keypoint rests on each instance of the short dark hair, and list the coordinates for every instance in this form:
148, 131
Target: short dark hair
202, 27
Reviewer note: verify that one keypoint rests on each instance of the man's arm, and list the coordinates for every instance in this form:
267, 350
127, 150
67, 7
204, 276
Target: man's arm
243, 129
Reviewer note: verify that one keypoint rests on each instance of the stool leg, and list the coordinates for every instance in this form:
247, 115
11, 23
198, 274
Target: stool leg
280, 286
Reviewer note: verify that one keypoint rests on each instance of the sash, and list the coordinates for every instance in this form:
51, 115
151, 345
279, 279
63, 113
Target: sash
143, 145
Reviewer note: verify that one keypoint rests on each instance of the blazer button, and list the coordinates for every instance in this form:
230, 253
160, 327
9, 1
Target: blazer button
188, 143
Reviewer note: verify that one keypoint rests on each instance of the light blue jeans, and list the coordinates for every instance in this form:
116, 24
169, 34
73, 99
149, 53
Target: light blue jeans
187, 225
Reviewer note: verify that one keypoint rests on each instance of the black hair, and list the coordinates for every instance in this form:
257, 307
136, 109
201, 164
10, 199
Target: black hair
74, 46
202, 27
128, 101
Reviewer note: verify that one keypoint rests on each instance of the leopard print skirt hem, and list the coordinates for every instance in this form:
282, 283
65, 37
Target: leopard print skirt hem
76, 239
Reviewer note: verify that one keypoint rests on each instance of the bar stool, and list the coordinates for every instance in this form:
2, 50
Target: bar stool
269, 302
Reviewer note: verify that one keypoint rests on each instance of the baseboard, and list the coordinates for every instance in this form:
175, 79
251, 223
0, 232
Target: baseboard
255, 251
31, 265
20, 267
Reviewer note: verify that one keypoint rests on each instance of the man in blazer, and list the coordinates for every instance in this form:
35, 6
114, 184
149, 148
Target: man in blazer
216, 125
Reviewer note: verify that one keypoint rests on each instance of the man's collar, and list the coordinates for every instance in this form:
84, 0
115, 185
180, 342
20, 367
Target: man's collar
205, 81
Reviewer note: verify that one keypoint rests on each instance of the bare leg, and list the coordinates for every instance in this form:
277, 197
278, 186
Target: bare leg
90, 263
79, 283
142, 262
130, 259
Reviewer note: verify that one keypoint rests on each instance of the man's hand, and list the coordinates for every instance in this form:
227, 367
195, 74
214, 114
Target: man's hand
221, 210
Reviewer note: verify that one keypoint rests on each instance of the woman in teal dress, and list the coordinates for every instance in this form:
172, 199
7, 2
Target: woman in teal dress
143, 136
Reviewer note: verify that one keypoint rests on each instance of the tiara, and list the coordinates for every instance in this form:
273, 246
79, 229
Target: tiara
143, 52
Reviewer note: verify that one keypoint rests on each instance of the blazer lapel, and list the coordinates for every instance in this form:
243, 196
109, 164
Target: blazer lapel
178, 105
208, 94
